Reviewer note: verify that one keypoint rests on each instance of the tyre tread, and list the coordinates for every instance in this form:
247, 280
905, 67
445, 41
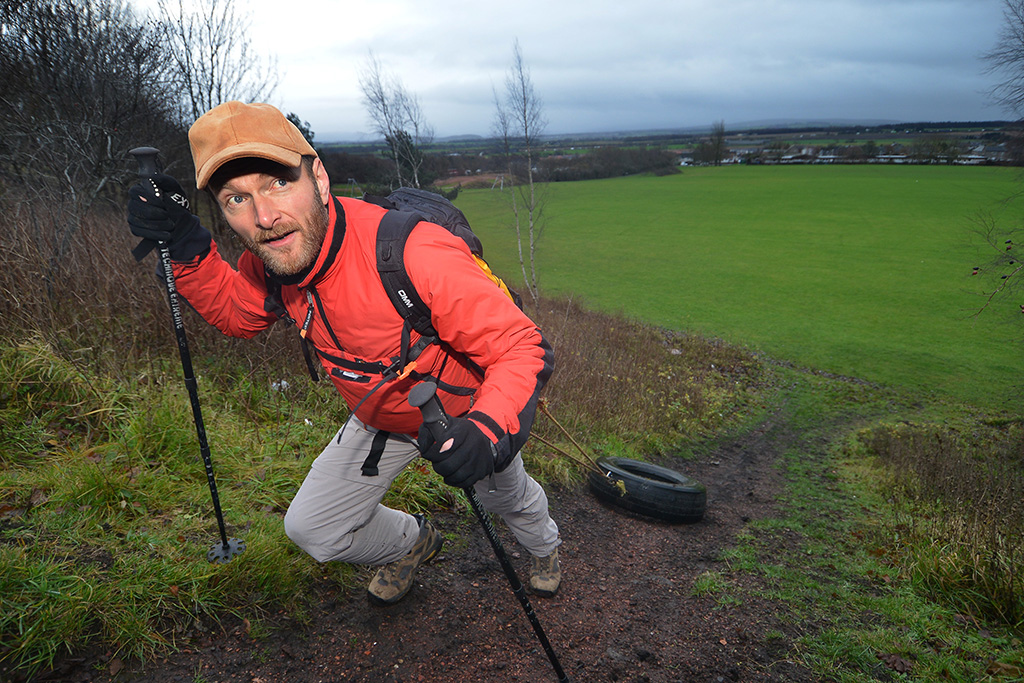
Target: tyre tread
650, 490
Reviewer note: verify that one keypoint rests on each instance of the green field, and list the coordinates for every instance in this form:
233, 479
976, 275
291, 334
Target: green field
858, 270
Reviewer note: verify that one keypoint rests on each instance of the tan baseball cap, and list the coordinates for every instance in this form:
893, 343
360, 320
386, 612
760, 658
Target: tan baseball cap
234, 130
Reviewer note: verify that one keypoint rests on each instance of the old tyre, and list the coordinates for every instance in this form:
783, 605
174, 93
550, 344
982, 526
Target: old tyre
648, 490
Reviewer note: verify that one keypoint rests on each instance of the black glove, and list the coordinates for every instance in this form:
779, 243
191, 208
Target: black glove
158, 212
469, 457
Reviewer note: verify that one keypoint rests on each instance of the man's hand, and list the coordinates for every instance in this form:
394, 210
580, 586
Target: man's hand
158, 212
464, 457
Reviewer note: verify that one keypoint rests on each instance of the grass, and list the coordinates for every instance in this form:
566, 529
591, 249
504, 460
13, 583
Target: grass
957, 522
858, 614
707, 583
859, 270
106, 514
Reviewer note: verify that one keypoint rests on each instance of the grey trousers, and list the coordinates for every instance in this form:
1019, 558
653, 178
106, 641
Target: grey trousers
337, 512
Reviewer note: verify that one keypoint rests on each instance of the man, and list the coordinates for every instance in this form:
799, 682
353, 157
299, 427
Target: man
314, 254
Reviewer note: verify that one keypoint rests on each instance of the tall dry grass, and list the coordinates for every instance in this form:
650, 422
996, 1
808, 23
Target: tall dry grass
959, 497
95, 304
95, 296
616, 376
108, 314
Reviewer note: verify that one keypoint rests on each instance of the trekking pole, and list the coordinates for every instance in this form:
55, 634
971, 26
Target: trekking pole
222, 552
424, 397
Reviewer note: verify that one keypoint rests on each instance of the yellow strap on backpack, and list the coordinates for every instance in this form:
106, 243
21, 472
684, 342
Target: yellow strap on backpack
492, 277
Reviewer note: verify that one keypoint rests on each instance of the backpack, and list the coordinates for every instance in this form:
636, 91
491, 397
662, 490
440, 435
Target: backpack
408, 206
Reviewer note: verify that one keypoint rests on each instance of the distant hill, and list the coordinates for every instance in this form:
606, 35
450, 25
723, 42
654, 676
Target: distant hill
760, 126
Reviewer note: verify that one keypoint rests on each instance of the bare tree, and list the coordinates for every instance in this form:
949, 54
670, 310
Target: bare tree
1001, 275
1007, 57
80, 88
397, 116
504, 131
213, 58
518, 123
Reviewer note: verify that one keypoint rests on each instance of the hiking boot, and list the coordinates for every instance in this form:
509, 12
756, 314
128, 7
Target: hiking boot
393, 581
545, 574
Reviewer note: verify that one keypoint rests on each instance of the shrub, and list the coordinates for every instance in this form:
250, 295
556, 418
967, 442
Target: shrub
959, 497
617, 377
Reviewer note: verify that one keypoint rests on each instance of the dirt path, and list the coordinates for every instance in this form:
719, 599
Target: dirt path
625, 613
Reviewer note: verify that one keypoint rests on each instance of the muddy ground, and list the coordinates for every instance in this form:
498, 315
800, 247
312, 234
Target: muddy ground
626, 611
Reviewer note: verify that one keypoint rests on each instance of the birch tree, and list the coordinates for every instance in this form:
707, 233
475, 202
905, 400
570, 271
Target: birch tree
518, 124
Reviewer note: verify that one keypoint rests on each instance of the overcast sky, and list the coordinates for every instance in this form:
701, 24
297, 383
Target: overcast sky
637, 64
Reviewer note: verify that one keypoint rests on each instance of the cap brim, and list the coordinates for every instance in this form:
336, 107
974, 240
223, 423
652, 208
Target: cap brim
259, 150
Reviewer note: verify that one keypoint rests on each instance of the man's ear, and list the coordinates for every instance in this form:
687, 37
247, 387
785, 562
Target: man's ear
323, 183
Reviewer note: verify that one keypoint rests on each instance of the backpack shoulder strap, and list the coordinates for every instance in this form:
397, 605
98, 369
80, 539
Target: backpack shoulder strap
274, 303
392, 234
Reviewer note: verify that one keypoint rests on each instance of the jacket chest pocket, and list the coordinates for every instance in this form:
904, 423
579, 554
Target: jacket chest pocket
349, 376
352, 369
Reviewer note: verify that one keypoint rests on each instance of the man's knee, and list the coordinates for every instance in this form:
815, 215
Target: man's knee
380, 537
298, 531
302, 534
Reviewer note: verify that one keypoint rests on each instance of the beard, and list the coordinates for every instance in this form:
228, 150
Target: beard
310, 240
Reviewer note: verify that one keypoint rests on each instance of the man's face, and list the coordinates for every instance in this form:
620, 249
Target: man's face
279, 214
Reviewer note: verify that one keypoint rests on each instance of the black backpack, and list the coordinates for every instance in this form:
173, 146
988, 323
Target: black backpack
408, 206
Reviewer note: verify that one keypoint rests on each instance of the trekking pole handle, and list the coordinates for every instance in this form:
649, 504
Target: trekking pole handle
424, 397
146, 157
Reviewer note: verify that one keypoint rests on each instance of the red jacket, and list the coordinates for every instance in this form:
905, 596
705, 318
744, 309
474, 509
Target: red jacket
354, 324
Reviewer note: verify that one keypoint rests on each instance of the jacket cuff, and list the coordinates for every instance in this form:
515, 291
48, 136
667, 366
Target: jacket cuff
502, 448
